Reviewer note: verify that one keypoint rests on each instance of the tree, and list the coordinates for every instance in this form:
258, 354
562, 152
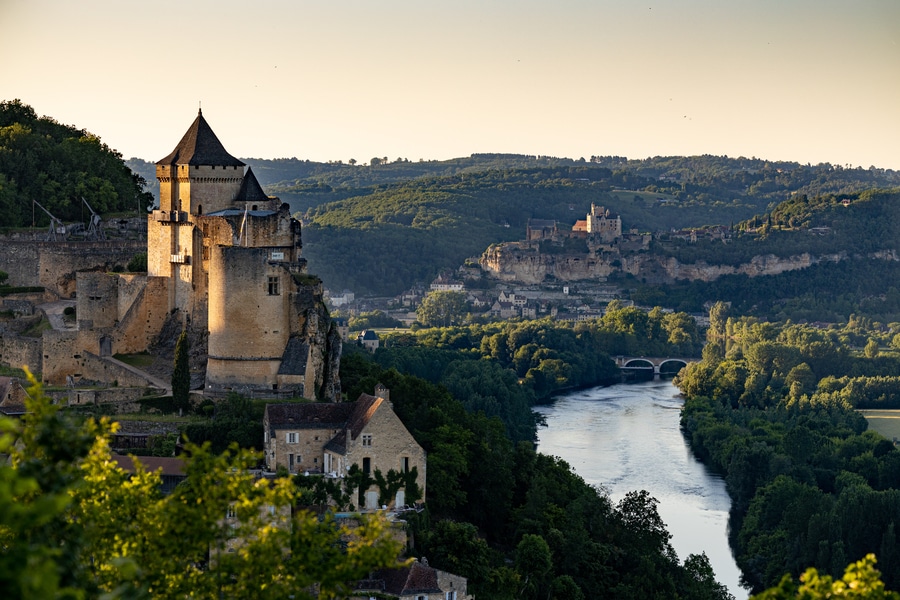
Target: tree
442, 309
74, 525
871, 349
181, 374
861, 581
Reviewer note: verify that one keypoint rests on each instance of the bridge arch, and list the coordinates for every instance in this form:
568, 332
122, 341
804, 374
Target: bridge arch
671, 366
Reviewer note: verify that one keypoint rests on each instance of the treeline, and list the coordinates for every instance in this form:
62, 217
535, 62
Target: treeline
503, 369
772, 408
826, 291
57, 165
520, 524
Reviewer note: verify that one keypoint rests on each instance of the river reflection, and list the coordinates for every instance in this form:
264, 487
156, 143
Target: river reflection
627, 437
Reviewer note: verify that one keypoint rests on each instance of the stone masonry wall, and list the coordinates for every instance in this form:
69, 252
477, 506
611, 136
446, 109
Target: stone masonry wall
54, 264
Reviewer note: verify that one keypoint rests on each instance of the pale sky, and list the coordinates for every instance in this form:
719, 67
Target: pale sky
804, 80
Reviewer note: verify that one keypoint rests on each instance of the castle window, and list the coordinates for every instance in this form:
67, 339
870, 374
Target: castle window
273, 286
367, 439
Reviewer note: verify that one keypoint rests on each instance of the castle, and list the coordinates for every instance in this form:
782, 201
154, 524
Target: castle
230, 256
223, 262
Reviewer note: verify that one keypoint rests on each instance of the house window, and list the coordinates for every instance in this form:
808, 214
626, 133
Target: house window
367, 439
229, 513
450, 596
404, 464
291, 437
291, 461
273, 286
367, 465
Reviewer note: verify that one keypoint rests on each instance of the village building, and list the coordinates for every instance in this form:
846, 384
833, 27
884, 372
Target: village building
418, 581
368, 339
12, 397
540, 229
329, 438
445, 284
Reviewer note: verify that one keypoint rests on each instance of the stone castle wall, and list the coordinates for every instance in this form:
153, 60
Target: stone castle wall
17, 351
54, 264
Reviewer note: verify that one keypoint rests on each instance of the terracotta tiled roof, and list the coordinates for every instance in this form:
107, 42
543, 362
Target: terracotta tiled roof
200, 146
250, 190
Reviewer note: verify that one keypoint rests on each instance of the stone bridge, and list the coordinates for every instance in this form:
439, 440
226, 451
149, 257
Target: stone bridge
657, 365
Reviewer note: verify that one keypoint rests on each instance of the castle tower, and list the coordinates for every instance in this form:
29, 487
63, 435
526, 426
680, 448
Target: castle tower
230, 257
199, 176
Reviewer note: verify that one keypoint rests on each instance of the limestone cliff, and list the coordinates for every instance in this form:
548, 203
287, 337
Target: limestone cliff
523, 263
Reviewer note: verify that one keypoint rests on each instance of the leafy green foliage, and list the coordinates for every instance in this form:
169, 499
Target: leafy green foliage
235, 420
492, 504
57, 165
773, 411
442, 309
861, 580
74, 525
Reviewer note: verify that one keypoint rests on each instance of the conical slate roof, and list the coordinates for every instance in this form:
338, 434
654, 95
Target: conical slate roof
200, 146
250, 190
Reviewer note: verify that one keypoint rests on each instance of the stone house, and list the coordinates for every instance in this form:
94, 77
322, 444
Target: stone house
368, 339
329, 438
418, 581
12, 396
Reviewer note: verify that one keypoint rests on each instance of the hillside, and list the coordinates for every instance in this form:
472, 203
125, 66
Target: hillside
57, 165
435, 223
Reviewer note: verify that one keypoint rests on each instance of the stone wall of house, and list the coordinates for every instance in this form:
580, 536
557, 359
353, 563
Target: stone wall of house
391, 443
448, 582
308, 451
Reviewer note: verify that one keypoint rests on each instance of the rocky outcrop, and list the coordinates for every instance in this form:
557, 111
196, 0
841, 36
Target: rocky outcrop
524, 264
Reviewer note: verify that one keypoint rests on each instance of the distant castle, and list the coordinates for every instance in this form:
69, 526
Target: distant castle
600, 224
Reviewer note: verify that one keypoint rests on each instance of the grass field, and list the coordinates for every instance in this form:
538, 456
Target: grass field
885, 422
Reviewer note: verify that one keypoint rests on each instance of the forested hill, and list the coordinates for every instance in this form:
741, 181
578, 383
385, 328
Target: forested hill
384, 238
57, 165
854, 240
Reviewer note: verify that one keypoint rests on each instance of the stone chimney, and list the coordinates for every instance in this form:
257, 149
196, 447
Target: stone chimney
383, 393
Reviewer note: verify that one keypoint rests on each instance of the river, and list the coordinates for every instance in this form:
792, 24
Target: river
627, 437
